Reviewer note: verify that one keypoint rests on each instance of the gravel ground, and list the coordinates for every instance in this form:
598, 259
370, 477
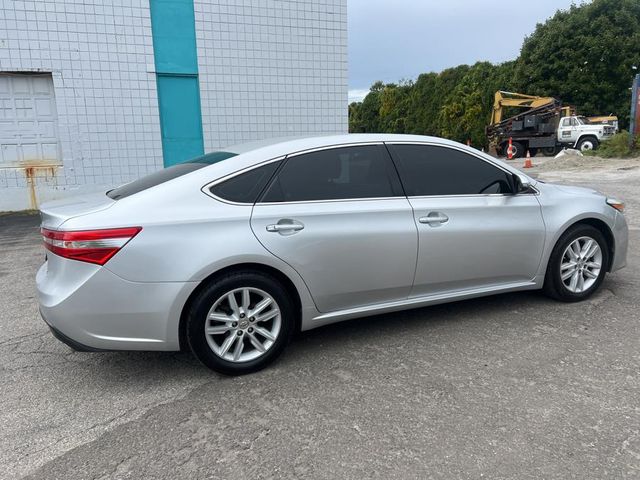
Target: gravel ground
587, 164
619, 177
509, 386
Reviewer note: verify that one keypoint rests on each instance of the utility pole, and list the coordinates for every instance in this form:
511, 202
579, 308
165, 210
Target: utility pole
634, 129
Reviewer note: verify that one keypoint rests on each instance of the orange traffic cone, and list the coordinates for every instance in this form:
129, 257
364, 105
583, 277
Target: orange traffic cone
527, 161
510, 149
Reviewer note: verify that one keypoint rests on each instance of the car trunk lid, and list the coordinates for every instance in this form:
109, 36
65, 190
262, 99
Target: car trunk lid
57, 212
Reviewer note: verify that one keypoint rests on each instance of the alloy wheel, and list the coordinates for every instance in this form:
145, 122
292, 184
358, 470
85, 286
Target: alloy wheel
243, 324
581, 264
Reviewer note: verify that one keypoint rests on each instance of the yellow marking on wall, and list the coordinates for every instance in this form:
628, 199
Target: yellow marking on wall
33, 170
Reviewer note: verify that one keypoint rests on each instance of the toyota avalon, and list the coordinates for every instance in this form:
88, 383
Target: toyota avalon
229, 254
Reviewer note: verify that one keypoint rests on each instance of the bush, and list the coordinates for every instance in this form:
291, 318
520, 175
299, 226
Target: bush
616, 147
585, 56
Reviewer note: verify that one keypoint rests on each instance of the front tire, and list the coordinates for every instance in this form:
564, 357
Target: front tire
578, 264
587, 144
240, 323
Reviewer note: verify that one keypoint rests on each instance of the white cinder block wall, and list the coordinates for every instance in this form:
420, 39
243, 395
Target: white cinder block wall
267, 68
100, 54
271, 68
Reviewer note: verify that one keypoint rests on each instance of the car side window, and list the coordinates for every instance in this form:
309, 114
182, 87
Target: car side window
338, 173
434, 170
245, 187
566, 122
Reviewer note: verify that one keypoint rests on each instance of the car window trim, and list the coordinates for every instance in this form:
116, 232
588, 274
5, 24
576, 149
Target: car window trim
206, 189
381, 143
455, 147
336, 200
333, 146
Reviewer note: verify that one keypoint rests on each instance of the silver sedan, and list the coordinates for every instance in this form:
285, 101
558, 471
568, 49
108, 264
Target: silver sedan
230, 254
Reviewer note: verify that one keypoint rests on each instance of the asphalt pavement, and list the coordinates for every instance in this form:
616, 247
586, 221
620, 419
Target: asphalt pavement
509, 386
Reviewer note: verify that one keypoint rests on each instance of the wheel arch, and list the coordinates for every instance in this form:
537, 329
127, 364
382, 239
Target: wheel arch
281, 277
583, 136
602, 227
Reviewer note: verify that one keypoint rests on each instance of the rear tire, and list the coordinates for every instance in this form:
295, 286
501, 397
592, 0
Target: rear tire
518, 149
576, 263
549, 151
232, 331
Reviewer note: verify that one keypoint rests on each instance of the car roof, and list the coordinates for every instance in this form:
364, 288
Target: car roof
275, 147
253, 153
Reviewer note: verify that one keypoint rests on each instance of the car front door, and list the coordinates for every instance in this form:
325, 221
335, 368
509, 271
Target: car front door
338, 216
473, 232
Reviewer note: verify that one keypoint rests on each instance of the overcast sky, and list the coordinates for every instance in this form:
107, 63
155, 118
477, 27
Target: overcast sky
394, 39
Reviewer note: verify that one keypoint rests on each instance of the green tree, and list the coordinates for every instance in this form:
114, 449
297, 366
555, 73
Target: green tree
424, 105
366, 117
394, 106
585, 56
455, 103
467, 109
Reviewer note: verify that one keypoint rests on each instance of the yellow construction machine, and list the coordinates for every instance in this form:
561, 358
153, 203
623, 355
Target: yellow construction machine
605, 120
542, 123
503, 100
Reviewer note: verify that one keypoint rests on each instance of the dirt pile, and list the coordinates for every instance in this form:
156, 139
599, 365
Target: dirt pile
576, 162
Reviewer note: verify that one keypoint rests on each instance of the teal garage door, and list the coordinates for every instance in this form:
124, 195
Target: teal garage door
180, 118
176, 58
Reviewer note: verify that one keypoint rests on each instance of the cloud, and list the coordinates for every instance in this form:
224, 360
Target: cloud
390, 41
357, 95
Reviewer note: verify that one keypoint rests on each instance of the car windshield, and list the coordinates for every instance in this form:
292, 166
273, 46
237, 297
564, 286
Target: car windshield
168, 173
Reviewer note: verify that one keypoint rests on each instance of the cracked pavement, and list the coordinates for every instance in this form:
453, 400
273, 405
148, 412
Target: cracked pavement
509, 386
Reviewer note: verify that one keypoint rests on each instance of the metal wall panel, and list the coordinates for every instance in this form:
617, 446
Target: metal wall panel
28, 121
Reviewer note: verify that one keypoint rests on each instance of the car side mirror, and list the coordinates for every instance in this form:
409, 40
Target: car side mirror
521, 184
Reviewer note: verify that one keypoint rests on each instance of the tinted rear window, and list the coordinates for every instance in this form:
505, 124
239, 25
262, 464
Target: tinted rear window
338, 173
167, 174
246, 187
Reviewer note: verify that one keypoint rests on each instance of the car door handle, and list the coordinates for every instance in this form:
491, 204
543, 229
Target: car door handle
434, 218
285, 227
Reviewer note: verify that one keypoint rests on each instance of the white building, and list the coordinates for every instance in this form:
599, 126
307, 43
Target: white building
97, 93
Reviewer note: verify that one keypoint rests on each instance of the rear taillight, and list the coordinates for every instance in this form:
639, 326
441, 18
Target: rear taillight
93, 246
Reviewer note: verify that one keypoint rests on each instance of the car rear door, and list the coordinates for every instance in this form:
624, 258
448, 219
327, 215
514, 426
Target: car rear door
339, 217
473, 232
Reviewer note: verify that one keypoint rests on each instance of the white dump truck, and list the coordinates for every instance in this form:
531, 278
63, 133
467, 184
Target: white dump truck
578, 132
545, 126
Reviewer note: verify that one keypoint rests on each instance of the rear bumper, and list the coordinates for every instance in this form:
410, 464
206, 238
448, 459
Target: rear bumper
91, 309
78, 347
